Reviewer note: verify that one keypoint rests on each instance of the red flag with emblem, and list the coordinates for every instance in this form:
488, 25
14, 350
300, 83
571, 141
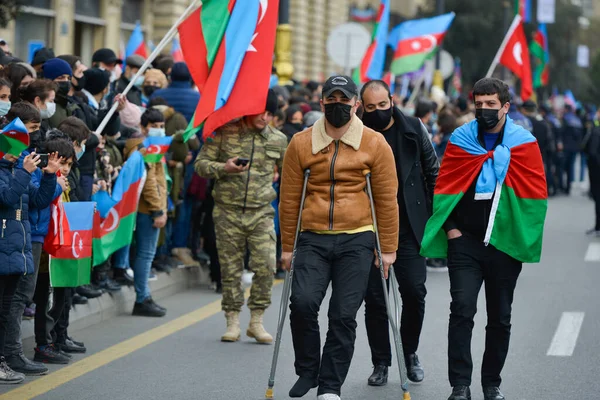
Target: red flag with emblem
515, 57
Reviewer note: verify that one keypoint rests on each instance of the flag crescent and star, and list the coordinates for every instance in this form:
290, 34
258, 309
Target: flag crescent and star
76, 244
153, 149
114, 220
264, 5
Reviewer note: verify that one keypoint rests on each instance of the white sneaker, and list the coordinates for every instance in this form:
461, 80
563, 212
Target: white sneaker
328, 396
152, 277
129, 272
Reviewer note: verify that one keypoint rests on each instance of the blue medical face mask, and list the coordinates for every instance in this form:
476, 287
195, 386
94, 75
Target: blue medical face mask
80, 153
4, 107
156, 132
139, 82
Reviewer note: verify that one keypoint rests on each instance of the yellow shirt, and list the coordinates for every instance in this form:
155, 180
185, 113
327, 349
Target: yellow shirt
366, 228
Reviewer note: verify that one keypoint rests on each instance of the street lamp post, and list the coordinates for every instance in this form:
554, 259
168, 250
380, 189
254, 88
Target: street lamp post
283, 45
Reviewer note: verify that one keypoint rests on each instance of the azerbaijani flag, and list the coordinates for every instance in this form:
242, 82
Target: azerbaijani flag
114, 221
176, 52
415, 41
156, 148
539, 49
523, 8
363, 15
136, 43
390, 79
71, 265
374, 59
14, 138
512, 176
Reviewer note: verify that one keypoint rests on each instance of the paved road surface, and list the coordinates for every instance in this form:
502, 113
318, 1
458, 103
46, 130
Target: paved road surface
555, 351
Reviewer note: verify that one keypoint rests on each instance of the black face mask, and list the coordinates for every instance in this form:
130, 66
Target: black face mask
487, 118
338, 114
64, 88
377, 120
148, 90
296, 126
80, 83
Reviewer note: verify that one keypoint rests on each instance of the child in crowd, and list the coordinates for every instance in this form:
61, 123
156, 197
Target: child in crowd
17, 193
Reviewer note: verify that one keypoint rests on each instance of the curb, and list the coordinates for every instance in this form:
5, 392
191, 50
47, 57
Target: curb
110, 305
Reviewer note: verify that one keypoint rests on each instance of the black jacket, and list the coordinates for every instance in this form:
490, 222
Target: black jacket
134, 95
419, 169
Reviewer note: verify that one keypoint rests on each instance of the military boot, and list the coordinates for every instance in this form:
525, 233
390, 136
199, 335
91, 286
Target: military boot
256, 329
233, 327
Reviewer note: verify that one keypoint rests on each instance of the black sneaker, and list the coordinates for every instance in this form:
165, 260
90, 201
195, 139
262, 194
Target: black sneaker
492, 393
22, 364
379, 377
161, 307
460, 393
148, 309
109, 285
79, 300
121, 277
80, 344
68, 346
88, 291
49, 355
414, 369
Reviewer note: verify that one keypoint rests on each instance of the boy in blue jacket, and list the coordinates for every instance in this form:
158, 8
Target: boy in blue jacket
17, 194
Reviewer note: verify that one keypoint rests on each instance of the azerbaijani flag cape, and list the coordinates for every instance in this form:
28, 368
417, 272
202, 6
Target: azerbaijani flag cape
512, 175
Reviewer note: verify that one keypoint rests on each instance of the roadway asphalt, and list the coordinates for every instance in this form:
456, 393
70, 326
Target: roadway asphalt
545, 361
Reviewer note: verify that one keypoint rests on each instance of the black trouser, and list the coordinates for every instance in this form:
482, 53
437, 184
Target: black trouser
345, 261
45, 320
411, 274
471, 263
8, 286
60, 334
594, 171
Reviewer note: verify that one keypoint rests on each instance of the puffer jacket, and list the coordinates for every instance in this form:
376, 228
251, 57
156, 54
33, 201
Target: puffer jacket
336, 199
17, 193
181, 97
153, 200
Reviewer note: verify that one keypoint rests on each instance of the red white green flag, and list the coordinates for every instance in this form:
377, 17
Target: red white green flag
538, 48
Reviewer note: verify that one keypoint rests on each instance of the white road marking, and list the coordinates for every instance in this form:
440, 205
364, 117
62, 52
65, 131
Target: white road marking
593, 253
565, 338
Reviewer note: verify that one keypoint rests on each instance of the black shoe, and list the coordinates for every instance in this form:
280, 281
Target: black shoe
303, 386
379, 377
62, 352
490, 393
79, 300
22, 364
68, 346
80, 344
49, 355
156, 305
414, 369
88, 291
109, 285
161, 264
148, 309
460, 393
174, 263
121, 277
219, 289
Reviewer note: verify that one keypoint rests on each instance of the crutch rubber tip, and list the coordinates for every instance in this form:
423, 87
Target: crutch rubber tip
366, 172
406, 396
269, 394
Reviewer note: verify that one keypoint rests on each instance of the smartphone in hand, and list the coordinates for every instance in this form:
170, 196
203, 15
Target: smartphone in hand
242, 161
43, 160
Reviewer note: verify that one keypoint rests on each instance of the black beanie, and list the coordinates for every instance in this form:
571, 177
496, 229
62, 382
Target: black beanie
272, 102
96, 80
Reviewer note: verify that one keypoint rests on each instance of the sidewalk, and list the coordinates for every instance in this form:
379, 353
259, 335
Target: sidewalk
110, 305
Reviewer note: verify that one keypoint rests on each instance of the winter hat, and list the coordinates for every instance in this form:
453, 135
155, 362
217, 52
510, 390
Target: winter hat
180, 73
157, 75
96, 80
272, 102
56, 67
42, 55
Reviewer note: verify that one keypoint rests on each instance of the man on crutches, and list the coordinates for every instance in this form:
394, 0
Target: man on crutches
337, 240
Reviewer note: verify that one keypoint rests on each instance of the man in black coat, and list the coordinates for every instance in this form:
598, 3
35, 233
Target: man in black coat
417, 167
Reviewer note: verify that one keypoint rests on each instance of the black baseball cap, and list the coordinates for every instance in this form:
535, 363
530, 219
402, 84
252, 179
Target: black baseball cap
106, 56
343, 83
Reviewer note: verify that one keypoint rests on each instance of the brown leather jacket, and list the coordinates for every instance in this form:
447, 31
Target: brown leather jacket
153, 200
336, 197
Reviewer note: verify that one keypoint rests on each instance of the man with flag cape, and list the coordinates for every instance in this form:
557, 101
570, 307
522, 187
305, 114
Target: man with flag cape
489, 209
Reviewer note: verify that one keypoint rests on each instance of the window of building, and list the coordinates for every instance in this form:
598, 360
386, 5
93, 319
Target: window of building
131, 12
33, 29
90, 8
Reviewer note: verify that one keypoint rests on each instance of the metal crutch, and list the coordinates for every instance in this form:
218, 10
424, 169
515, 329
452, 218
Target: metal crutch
285, 296
391, 317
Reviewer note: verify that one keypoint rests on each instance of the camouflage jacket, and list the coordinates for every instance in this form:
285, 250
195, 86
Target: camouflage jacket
252, 188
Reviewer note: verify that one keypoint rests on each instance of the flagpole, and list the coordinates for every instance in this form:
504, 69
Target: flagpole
165, 40
496, 61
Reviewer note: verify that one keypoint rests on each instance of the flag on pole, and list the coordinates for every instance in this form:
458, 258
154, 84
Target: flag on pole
368, 14
136, 43
390, 79
539, 50
14, 138
114, 221
156, 148
514, 55
415, 41
523, 8
456, 84
373, 61
71, 265
570, 99
241, 64
176, 51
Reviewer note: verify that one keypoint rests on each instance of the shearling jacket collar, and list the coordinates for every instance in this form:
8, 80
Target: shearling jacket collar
352, 137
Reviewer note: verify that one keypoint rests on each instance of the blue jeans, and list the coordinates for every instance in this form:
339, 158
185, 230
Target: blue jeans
181, 229
165, 249
146, 239
121, 258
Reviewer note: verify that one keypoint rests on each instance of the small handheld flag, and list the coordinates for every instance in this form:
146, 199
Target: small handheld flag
156, 148
14, 138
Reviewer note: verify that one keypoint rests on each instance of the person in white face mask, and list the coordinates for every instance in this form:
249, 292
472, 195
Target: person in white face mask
4, 97
41, 93
132, 65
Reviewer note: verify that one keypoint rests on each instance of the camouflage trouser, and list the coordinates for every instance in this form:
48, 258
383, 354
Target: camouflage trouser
234, 230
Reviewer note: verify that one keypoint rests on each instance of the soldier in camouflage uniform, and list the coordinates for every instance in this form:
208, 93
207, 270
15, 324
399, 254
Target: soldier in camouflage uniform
243, 214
